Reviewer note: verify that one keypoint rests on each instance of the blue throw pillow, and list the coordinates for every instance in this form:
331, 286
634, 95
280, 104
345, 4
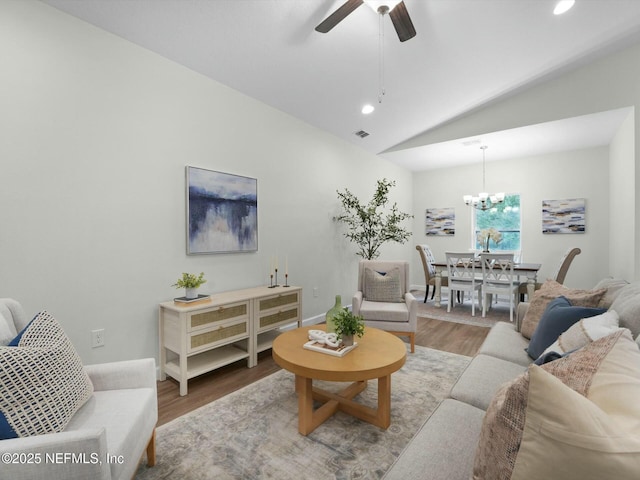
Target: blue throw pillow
556, 319
16, 341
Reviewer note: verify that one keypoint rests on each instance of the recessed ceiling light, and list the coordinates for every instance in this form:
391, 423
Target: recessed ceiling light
367, 109
563, 6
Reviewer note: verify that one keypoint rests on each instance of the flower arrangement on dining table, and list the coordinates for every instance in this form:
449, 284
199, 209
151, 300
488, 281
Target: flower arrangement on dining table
488, 234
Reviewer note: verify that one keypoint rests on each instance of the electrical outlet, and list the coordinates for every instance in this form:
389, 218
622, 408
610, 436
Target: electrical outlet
315, 292
97, 338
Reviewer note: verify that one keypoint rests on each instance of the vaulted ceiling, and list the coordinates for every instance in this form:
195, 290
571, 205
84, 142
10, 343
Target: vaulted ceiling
466, 53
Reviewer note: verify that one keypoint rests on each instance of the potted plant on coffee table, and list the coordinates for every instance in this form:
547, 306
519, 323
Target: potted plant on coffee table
347, 325
190, 282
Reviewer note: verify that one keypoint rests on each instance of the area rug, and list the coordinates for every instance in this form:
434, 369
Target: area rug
461, 313
253, 432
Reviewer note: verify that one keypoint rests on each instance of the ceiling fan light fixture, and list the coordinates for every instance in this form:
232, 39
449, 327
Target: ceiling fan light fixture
386, 5
563, 6
367, 109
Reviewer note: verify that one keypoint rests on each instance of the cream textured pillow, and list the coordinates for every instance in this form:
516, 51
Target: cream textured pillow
42, 381
627, 305
572, 437
383, 286
550, 290
590, 371
584, 332
613, 287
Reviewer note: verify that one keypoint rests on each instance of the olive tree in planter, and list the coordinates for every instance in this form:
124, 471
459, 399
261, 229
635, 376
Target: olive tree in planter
368, 226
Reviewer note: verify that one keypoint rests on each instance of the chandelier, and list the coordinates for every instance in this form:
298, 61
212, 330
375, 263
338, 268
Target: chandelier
483, 201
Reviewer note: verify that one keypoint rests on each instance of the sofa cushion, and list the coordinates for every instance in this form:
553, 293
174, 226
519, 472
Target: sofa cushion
503, 341
550, 290
627, 306
123, 414
556, 319
443, 448
569, 436
504, 422
482, 378
382, 286
390, 312
612, 287
585, 331
42, 381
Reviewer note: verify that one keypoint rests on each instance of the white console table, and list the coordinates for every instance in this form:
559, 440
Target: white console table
234, 325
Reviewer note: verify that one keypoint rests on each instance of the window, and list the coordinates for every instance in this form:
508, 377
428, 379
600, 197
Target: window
504, 217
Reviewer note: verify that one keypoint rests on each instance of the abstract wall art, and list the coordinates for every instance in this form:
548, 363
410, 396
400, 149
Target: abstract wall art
563, 216
440, 221
222, 212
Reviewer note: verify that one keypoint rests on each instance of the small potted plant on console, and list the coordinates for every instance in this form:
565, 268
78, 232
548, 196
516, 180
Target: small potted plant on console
347, 325
190, 282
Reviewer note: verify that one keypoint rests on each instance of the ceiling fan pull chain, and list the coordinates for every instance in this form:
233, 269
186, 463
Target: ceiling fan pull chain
381, 57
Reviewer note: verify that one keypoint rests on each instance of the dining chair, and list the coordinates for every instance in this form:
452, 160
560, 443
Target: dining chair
560, 272
429, 268
498, 279
461, 272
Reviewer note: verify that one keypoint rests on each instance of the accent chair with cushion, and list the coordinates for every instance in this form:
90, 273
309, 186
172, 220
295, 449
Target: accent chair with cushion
95, 421
383, 298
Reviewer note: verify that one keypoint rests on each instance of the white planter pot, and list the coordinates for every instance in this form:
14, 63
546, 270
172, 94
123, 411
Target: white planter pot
191, 292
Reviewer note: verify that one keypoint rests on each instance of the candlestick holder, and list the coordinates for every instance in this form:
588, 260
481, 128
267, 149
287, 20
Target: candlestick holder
271, 285
286, 280
276, 285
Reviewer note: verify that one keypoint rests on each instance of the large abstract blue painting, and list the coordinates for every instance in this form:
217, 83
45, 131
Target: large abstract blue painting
222, 212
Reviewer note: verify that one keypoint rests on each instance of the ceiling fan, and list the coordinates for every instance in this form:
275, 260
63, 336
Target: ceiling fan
396, 9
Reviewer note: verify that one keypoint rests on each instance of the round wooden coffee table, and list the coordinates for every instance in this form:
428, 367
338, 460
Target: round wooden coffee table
377, 355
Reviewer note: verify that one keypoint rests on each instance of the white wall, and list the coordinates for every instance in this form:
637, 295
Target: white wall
622, 195
605, 84
572, 174
96, 134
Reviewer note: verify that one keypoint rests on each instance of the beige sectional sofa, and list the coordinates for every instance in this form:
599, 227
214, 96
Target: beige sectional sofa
445, 447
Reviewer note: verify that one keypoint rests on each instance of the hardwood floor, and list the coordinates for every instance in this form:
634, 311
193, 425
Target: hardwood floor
447, 336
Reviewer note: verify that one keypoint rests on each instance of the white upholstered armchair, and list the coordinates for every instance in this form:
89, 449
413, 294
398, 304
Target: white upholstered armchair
105, 439
383, 298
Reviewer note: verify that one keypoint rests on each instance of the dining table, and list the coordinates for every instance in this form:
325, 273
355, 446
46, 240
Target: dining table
528, 271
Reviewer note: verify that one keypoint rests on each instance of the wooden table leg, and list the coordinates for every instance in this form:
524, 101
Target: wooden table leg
304, 389
531, 288
384, 402
309, 420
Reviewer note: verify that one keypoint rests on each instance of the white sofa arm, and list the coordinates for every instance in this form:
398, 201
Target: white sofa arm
126, 374
356, 303
76, 455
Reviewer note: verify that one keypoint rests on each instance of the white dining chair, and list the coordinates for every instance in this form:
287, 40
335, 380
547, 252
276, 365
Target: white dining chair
461, 272
498, 278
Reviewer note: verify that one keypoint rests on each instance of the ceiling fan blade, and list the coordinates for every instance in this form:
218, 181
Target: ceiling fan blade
339, 15
402, 22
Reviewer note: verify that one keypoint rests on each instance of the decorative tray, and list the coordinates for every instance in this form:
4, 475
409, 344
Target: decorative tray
340, 351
